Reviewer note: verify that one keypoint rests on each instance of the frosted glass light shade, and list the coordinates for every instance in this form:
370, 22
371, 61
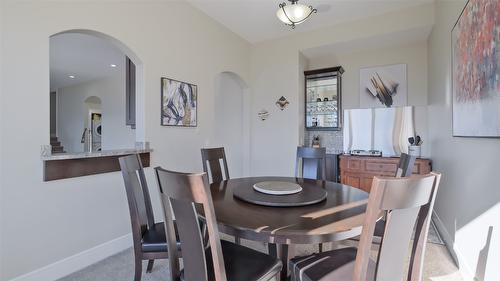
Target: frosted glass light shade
295, 13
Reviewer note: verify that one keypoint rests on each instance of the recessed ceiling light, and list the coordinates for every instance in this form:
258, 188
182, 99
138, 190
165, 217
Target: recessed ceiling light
72, 76
112, 65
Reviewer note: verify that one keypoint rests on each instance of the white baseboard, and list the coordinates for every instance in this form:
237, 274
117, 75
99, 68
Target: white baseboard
447, 238
79, 261
458, 257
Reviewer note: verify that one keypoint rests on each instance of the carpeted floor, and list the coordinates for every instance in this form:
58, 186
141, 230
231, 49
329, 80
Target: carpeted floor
438, 265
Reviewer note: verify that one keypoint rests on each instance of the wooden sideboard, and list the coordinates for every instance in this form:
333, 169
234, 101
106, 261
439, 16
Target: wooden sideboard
358, 171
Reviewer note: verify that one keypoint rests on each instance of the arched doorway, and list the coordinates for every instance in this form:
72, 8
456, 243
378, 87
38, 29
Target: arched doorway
232, 121
89, 62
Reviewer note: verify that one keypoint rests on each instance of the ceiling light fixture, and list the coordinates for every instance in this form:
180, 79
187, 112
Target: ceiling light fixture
72, 76
112, 65
294, 13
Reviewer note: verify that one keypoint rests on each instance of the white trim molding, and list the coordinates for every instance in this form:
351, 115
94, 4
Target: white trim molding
78, 261
458, 257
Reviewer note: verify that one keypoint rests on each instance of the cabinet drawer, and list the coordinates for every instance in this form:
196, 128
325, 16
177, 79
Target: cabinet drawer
417, 169
352, 181
361, 181
353, 164
381, 167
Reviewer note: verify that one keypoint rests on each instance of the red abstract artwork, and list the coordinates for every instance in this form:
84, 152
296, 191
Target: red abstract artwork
476, 73
476, 50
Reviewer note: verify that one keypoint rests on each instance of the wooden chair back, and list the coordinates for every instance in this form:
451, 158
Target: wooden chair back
180, 192
405, 166
313, 164
139, 201
410, 201
212, 157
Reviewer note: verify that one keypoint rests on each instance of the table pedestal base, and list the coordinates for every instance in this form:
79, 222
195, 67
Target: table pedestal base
280, 251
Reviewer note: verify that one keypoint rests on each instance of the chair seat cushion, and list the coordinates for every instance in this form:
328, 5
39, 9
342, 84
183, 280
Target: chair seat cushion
331, 265
154, 239
243, 264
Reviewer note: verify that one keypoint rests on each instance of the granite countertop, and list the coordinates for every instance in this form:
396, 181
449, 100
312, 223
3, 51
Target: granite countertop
334, 151
104, 153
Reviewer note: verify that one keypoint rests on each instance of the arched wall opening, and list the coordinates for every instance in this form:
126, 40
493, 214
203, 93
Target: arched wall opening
232, 121
139, 76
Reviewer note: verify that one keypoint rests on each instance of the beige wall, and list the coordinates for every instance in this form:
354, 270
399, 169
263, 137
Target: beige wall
414, 56
274, 66
1, 135
232, 121
303, 66
468, 200
46, 222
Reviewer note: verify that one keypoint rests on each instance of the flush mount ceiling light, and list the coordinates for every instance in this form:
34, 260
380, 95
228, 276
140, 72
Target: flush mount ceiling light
113, 65
294, 13
72, 76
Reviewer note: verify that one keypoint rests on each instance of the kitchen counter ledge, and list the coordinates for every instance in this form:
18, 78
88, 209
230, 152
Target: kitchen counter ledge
94, 154
70, 165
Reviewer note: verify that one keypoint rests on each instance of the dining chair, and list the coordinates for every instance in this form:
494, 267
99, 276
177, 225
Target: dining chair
405, 165
408, 203
181, 194
404, 169
212, 157
149, 238
313, 164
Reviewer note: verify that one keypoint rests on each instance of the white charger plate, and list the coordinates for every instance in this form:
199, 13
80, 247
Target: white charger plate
277, 187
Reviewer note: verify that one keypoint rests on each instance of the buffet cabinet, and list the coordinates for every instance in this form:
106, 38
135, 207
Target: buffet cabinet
358, 171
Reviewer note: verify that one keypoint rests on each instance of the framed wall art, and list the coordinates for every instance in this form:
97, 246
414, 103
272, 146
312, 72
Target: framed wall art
475, 70
179, 103
383, 86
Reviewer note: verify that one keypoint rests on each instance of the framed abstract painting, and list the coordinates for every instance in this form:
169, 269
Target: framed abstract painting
475, 70
383, 86
179, 103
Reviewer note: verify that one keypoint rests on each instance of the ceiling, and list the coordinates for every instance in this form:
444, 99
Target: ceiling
395, 39
87, 57
255, 20
83, 56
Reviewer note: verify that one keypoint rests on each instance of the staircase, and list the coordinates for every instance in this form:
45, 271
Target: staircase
56, 145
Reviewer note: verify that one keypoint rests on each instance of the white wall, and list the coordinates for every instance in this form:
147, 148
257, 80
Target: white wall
1, 132
468, 200
303, 66
414, 56
172, 39
73, 113
276, 75
230, 121
275, 72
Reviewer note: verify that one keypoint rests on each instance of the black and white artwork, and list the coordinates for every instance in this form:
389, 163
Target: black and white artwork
179, 103
383, 86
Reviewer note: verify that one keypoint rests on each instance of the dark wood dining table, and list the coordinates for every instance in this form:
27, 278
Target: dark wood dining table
340, 216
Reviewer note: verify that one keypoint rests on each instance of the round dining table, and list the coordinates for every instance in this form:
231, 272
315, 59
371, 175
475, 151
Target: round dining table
340, 216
